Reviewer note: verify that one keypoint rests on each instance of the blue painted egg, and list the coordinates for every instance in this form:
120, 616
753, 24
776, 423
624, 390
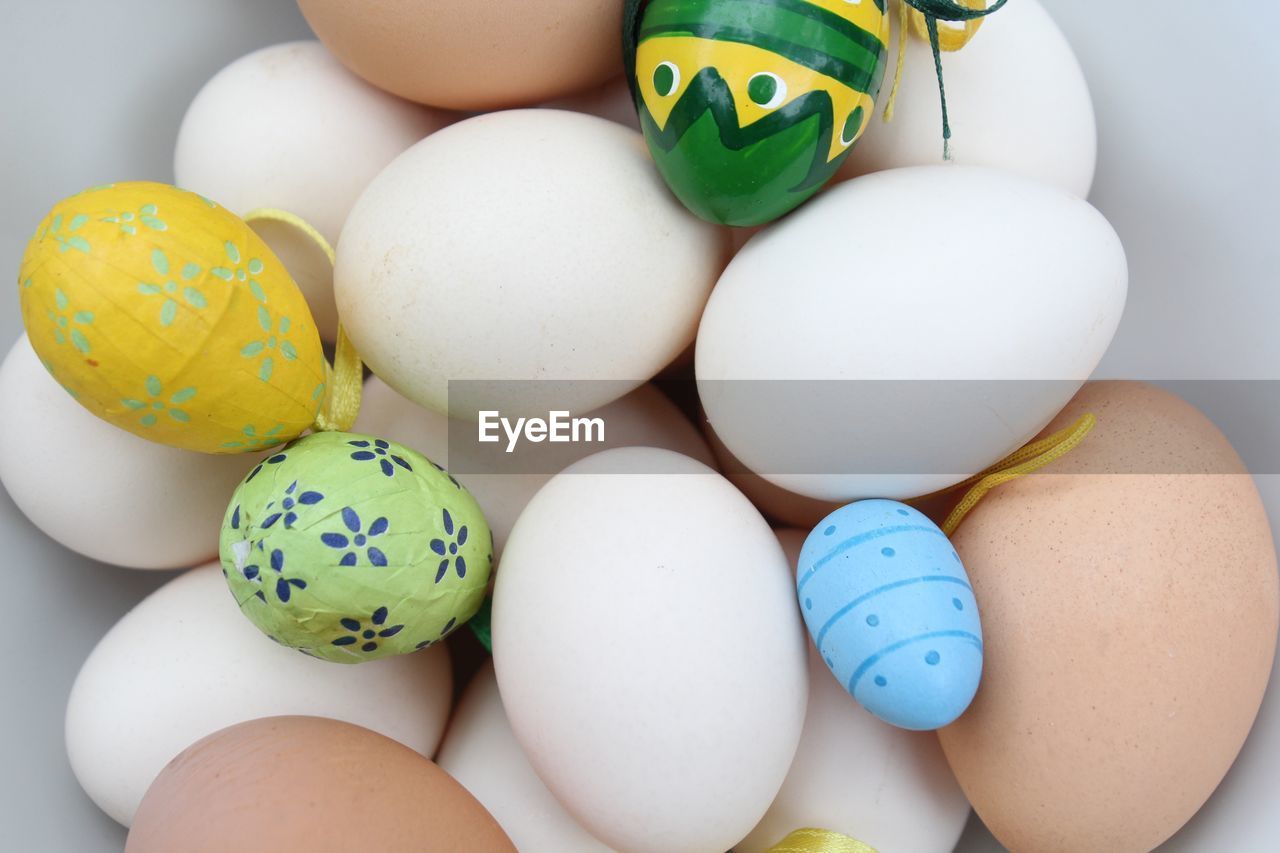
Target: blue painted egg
891, 611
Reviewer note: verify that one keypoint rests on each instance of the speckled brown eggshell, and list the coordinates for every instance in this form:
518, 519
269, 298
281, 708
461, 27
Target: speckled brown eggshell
308, 785
473, 54
1129, 609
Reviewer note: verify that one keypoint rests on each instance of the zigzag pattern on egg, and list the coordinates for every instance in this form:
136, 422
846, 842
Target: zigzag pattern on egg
749, 106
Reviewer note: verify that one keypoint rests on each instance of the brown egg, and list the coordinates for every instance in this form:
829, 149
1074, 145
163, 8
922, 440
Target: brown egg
1129, 610
473, 54
284, 784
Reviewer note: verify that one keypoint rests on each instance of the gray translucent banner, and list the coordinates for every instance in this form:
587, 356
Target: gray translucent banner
790, 430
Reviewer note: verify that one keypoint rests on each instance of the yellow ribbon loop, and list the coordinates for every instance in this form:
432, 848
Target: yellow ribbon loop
902, 60
1021, 462
344, 380
820, 841
950, 38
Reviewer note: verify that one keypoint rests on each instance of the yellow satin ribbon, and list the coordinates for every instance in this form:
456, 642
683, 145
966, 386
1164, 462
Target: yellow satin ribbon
344, 379
1021, 462
820, 841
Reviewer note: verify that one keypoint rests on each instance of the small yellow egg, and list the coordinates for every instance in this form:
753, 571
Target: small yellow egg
167, 316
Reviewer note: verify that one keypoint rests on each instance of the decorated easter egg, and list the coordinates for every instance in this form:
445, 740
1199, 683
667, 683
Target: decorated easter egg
1129, 599
602, 274
350, 547
288, 127
473, 54
750, 107
891, 611
1037, 121
653, 667
915, 353
184, 663
167, 316
308, 784
174, 497
854, 774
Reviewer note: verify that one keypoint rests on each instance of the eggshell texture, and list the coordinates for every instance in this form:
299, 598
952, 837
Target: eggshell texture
174, 496
184, 663
167, 316
649, 652
1036, 297
288, 127
350, 547
856, 775
891, 611
611, 100
481, 752
577, 292
645, 417
473, 54
1016, 97
306, 783
1129, 601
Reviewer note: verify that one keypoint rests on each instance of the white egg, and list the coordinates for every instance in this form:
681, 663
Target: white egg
523, 245
1016, 97
643, 418
288, 127
649, 651
481, 752
856, 775
610, 100
185, 663
99, 490
928, 320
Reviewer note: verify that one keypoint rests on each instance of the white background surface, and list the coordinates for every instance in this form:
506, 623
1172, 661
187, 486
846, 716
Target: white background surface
1189, 125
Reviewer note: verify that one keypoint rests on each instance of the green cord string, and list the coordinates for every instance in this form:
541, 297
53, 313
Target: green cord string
945, 10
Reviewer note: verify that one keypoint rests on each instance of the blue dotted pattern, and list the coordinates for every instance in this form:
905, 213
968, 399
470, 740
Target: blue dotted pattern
889, 607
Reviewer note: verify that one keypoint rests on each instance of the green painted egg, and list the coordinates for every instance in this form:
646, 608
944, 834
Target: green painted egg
348, 548
750, 106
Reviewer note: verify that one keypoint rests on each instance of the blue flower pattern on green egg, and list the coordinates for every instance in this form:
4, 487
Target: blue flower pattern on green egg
890, 609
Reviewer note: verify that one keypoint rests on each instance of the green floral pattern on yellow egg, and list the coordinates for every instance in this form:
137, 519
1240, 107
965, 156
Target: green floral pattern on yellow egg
349, 547
147, 216
139, 286
169, 289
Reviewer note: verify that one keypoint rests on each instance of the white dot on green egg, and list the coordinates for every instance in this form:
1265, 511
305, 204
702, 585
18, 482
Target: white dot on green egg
932, 658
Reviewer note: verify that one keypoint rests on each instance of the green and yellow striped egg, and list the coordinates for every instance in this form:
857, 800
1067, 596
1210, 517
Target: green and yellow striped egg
167, 316
750, 106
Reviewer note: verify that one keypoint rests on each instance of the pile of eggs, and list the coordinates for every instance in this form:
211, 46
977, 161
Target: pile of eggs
752, 610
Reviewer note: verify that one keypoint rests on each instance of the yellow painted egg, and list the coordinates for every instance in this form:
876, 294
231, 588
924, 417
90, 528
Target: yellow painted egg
167, 316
